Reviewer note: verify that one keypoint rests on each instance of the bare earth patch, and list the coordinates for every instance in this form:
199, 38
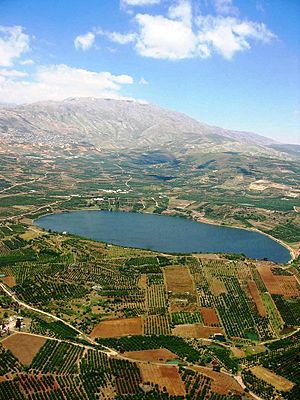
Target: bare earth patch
31, 234
163, 376
118, 328
275, 380
279, 284
143, 281
23, 346
178, 279
9, 280
159, 355
177, 305
237, 352
196, 331
217, 287
256, 297
210, 317
222, 383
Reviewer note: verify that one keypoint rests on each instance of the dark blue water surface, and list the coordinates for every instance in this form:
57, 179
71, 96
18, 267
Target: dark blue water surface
165, 234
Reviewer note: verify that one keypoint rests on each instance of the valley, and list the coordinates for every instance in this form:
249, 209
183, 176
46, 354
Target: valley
103, 309
113, 322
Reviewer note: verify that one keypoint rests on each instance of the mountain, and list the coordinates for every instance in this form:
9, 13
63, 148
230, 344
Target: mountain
121, 124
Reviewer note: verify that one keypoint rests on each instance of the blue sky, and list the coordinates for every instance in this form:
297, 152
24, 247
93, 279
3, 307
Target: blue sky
230, 63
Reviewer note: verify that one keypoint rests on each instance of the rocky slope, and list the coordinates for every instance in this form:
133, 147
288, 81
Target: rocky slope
117, 124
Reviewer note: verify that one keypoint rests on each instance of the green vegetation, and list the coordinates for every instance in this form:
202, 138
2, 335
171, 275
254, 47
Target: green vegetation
56, 329
8, 363
224, 355
57, 357
184, 317
84, 282
259, 386
289, 309
175, 344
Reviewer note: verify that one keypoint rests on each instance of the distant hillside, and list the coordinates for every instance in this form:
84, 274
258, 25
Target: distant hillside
293, 149
118, 124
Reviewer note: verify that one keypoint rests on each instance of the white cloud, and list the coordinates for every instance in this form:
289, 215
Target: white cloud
12, 73
84, 42
225, 7
181, 11
27, 62
143, 81
57, 82
228, 35
139, 2
117, 37
121, 38
13, 43
180, 35
161, 37
167, 38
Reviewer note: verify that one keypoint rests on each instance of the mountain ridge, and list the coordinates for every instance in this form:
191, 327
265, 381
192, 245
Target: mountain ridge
121, 124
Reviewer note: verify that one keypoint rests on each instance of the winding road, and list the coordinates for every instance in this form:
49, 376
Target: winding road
106, 350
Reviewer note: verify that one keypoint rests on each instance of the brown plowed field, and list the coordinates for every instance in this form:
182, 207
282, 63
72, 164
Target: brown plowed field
163, 376
159, 355
222, 383
178, 279
118, 327
279, 284
210, 317
9, 280
256, 297
24, 347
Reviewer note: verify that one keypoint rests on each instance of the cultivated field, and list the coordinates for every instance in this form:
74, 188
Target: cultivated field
24, 347
148, 308
221, 383
8, 280
157, 355
196, 331
257, 299
210, 317
178, 279
163, 376
275, 380
285, 285
118, 327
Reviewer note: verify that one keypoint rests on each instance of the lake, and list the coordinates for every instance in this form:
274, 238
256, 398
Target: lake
164, 234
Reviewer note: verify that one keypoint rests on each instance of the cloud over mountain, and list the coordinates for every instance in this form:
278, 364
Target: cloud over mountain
13, 43
56, 82
183, 33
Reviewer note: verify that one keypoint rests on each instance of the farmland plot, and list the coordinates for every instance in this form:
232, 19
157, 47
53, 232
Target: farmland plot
285, 285
163, 376
118, 327
158, 355
24, 347
178, 279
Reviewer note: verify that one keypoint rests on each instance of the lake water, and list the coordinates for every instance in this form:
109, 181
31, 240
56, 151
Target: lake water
164, 234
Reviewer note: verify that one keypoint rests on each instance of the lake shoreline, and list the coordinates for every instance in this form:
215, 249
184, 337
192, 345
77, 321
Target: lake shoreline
293, 252
201, 220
